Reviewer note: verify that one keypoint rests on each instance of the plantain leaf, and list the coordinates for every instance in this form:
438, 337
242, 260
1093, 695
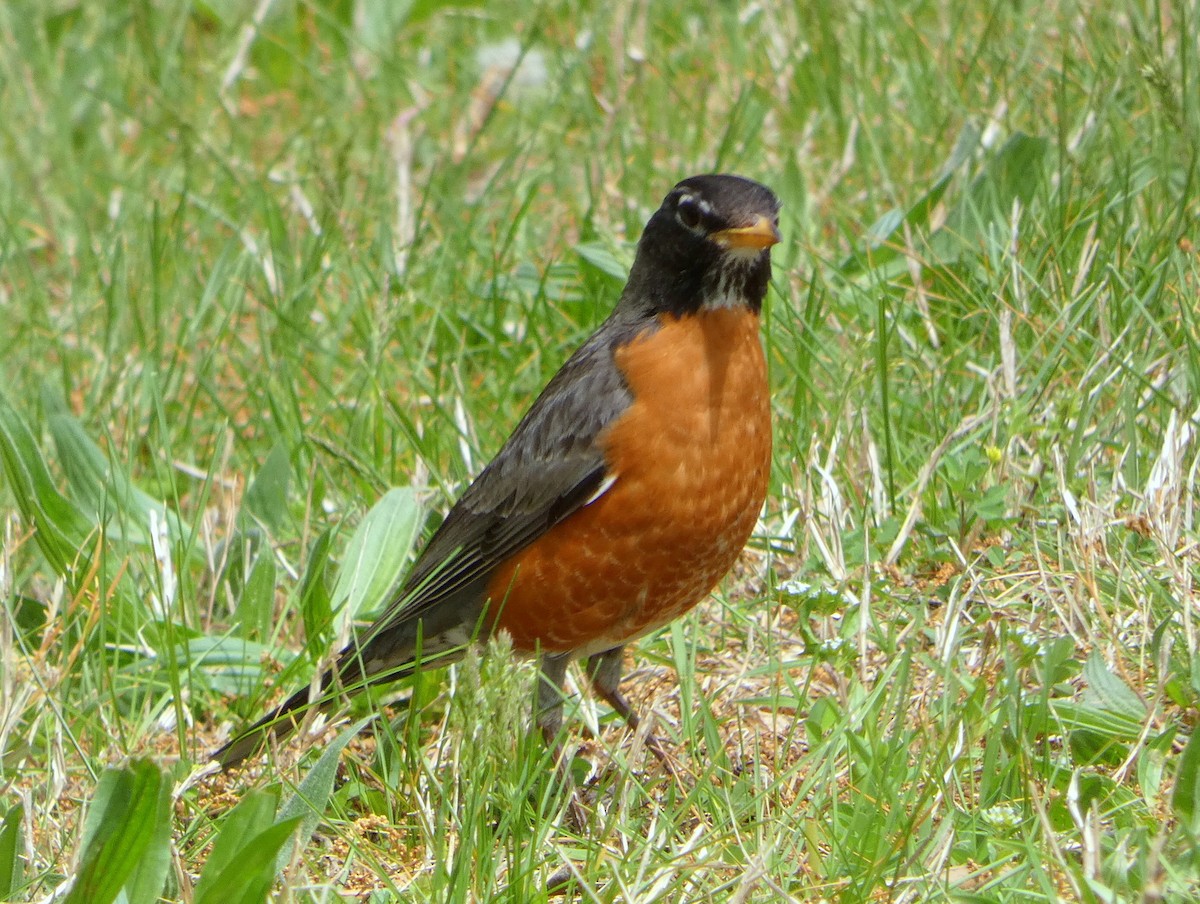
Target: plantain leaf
249, 871
126, 838
312, 796
98, 485
266, 497
1185, 800
12, 873
235, 847
1012, 174
63, 530
604, 259
256, 605
377, 553
1105, 690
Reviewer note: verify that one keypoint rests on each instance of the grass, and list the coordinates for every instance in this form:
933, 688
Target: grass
260, 265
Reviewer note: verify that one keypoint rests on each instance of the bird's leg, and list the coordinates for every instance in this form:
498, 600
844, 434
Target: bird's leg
549, 702
548, 706
604, 670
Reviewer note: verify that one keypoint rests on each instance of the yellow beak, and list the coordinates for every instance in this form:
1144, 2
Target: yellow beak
762, 233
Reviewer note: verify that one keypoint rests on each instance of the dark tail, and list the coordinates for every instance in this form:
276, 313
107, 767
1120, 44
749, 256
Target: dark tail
386, 657
279, 723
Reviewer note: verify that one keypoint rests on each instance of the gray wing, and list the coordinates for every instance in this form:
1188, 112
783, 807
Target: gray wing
550, 466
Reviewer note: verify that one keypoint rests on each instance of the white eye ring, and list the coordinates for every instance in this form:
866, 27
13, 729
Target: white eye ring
690, 212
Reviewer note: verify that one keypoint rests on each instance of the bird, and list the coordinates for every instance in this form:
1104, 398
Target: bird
625, 493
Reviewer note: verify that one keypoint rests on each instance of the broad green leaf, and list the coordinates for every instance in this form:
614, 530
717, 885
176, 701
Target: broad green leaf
145, 885
61, 21
278, 46
1151, 763
312, 796
884, 238
315, 608
63, 531
992, 504
1012, 175
12, 873
1077, 716
100, 487
266, 497
378, 23
256, 605
420, 10
823, 716
1058, 662
248, 875
217, 10
230, 665
603, 259
240, 829
239, 554
1186, 798
126, 838
377, 553
1106, 690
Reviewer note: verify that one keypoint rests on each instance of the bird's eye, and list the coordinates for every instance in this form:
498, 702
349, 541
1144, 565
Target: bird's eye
689, 214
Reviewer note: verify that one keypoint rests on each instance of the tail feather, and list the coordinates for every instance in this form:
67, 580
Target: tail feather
387, 657
279, 724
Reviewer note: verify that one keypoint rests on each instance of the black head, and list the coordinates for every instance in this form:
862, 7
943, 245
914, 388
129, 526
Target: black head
708, 246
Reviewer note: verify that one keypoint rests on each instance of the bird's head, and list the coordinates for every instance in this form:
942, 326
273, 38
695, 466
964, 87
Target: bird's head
708, 246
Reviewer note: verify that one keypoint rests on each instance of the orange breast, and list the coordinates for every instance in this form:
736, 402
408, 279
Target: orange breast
691, 458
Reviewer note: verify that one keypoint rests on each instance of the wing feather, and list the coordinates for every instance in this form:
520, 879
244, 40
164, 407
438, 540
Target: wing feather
551, 466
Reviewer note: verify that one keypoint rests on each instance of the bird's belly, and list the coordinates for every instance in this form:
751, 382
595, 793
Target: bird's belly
690, 458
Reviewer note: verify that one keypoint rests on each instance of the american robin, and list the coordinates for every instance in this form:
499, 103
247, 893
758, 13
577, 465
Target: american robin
625, 493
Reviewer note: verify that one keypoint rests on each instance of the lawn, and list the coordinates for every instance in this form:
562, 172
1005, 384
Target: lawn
278, 278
